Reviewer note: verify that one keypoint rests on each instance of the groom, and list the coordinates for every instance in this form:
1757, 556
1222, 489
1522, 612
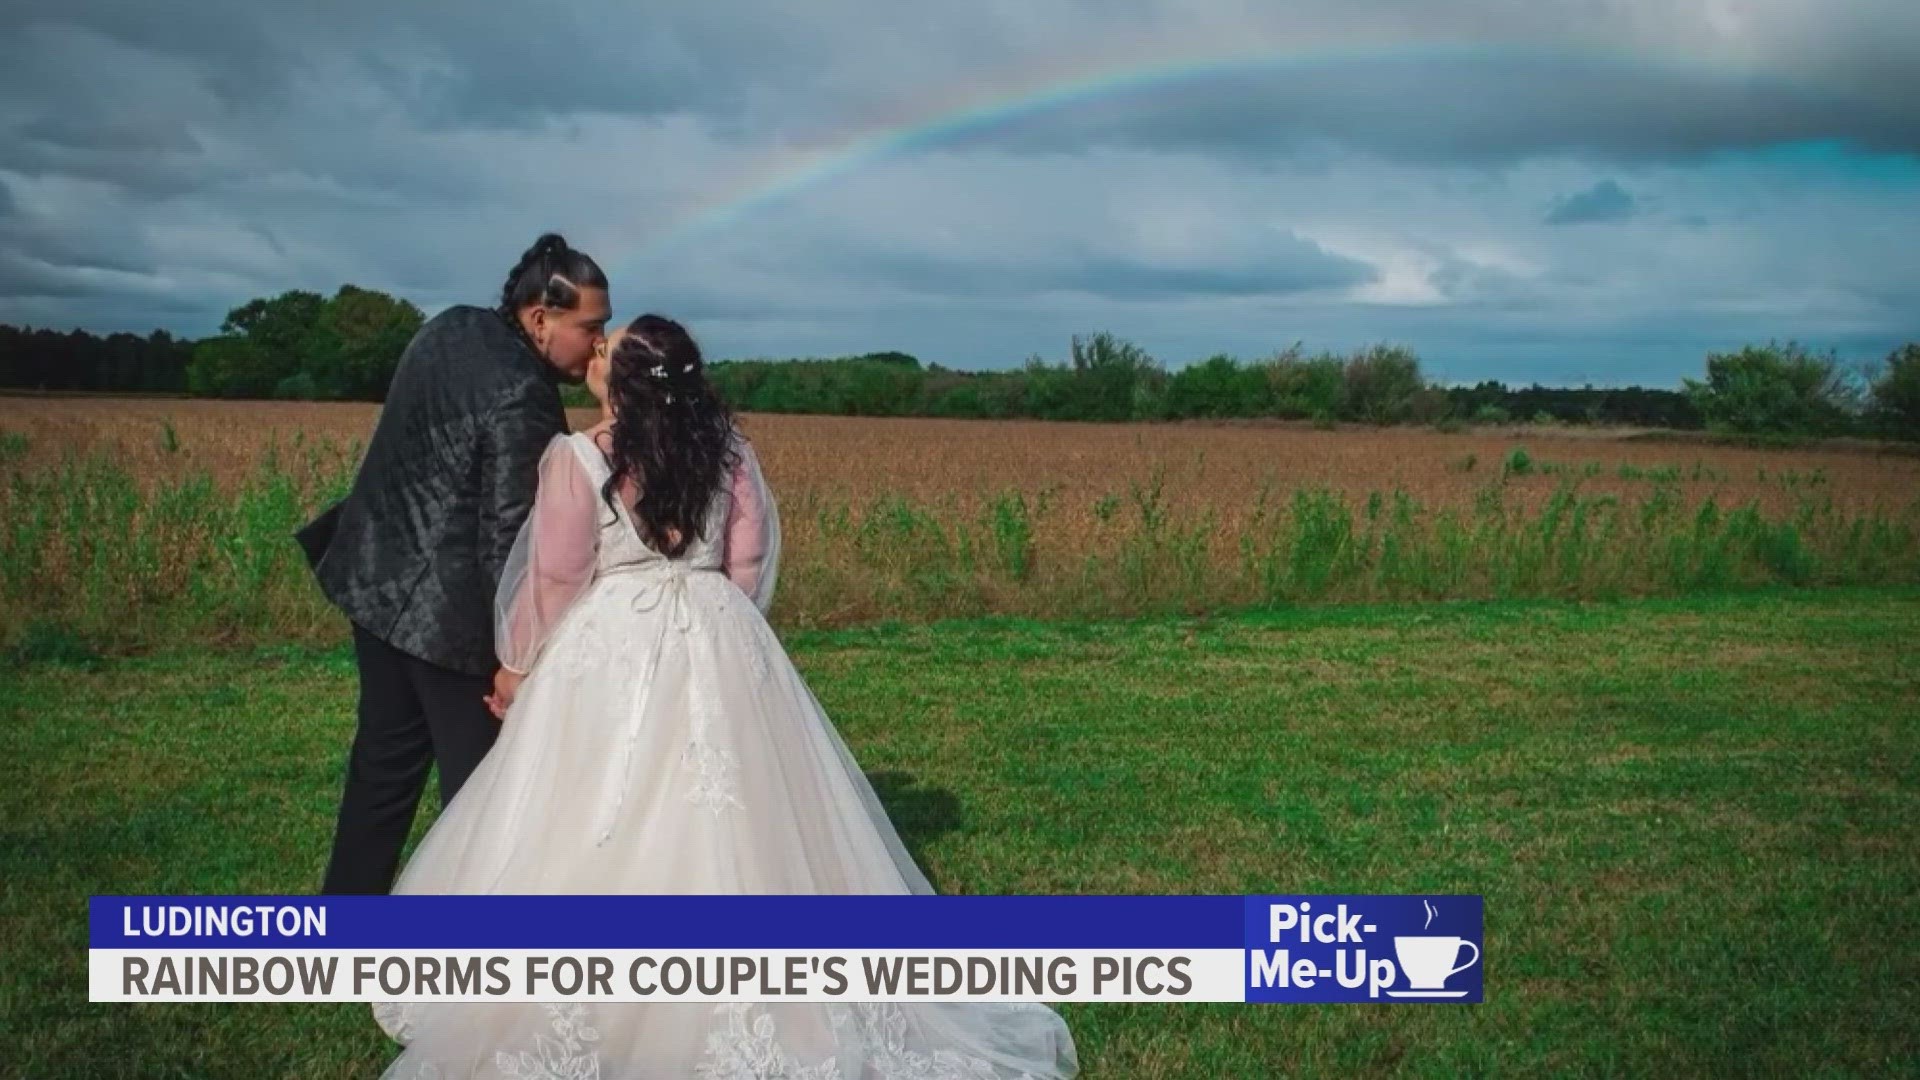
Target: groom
414, 553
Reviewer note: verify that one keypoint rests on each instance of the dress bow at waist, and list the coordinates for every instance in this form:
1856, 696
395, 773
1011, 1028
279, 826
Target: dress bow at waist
666, 588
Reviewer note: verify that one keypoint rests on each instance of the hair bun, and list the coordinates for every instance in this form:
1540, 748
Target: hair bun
549, 272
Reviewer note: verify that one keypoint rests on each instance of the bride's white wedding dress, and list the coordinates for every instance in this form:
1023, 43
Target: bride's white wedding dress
663, 743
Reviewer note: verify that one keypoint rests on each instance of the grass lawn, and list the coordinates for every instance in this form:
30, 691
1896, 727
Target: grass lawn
1693, 821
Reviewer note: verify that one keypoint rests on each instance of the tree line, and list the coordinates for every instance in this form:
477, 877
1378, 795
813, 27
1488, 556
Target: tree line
76, 360
295, 346
1106, 378
304, 346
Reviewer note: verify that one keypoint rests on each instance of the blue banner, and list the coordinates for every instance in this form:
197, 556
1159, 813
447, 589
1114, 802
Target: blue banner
665, 922
1296, 948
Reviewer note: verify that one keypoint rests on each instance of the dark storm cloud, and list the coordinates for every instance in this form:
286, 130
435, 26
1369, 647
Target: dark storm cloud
1480, 105
24, 276
758, 70
1604, 201
106, 132
47, 244
453, 60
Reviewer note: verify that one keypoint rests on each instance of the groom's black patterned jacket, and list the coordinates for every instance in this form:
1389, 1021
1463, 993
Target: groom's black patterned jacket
415, 551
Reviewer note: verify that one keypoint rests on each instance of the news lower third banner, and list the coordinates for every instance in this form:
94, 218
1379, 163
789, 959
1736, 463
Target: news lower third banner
1299, 949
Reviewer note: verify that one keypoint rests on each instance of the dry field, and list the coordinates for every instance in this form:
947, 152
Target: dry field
963, 463
178, 510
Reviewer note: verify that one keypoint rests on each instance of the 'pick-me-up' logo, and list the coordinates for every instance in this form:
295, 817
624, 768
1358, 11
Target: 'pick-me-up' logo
1318, 945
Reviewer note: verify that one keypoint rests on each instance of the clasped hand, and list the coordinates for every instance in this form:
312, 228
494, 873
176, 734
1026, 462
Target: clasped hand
505, 685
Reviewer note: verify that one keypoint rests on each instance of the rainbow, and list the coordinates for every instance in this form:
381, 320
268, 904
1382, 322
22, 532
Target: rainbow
929, 123
926, 124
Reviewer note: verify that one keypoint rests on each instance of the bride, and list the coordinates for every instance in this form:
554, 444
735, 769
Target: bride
656, 740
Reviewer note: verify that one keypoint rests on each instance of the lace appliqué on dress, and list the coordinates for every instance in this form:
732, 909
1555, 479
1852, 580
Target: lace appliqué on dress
714, 785
757, 658
883, 1028
561, 1056
752, 1051
714, 788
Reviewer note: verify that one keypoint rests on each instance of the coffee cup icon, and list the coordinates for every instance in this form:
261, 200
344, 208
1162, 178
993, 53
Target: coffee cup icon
1429, 961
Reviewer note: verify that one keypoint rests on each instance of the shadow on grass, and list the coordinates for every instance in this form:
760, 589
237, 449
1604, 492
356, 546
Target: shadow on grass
920, 814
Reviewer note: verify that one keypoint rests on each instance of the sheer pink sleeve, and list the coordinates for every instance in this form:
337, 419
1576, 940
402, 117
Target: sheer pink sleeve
753, 531
552, 559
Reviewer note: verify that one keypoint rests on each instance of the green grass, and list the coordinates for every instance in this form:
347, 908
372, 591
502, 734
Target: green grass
1692, 820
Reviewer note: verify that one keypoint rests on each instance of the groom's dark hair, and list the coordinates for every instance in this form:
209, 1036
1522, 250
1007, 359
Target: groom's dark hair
551, 274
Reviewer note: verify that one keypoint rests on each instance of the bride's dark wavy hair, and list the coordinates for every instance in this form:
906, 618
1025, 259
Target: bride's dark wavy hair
671, 433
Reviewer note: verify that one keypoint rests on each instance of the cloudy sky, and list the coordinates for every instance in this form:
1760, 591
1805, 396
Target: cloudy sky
1553, 190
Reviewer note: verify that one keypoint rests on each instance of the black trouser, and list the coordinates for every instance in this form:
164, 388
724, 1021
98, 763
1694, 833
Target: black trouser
412, 714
